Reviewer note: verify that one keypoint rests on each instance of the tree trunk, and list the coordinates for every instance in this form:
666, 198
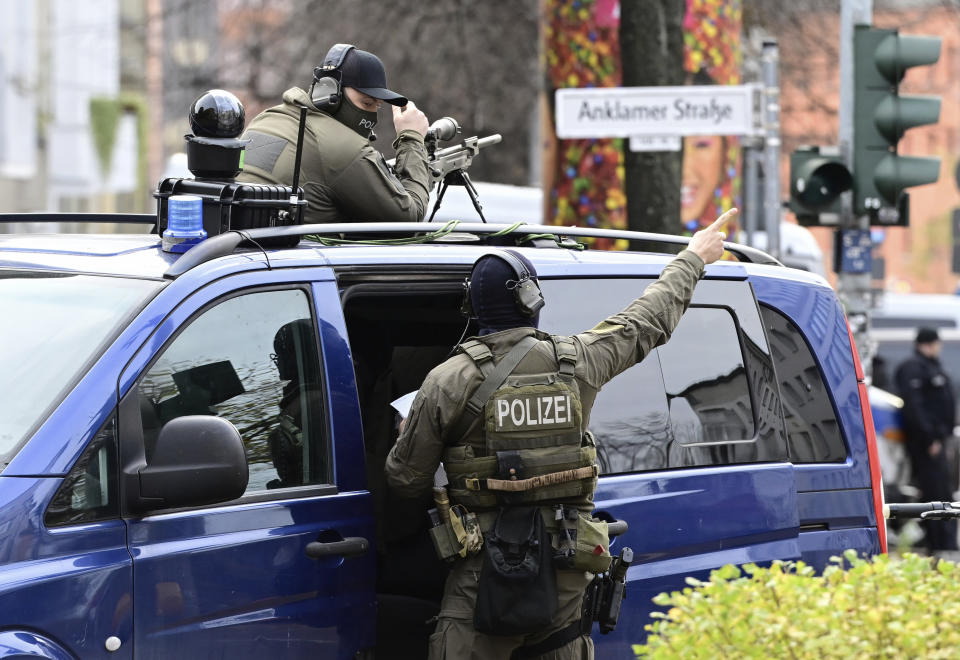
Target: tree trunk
651, 51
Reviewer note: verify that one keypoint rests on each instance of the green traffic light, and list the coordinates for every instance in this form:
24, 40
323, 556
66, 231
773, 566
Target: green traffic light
819, 181
897, 53
896, 114
882, 116
816, 182
895, 173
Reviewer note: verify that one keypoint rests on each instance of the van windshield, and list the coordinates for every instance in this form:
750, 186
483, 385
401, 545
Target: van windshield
53, 325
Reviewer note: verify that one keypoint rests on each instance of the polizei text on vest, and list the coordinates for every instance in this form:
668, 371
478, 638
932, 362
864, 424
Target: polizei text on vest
529, 411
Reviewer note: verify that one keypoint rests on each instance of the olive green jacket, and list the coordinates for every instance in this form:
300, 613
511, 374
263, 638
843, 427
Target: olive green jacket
604, 351
344, 178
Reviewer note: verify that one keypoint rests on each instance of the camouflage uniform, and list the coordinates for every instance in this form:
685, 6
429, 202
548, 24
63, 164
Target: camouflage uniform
612, 346
344, 178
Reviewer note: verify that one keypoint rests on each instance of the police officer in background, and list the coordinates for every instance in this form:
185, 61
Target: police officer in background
343, 176
928, 420
492, 429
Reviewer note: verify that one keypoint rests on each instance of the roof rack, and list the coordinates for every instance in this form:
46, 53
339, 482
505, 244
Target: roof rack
226, 243
106, 218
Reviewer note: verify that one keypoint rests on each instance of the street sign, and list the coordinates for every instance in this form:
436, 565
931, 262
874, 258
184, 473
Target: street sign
854, 249
603, 112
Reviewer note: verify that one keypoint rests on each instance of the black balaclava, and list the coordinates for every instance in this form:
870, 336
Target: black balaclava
492, 297
361, 121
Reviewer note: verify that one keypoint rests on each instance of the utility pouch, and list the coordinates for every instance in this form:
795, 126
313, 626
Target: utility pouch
458, 538
510, 465
582, 542
517, 594
446, 543
472, 536
593, 545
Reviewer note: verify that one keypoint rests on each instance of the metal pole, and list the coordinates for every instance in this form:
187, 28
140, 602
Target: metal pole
770, 60
853, 288
751, 192
153, 80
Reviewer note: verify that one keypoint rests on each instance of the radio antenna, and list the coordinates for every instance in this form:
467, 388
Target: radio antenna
295, 193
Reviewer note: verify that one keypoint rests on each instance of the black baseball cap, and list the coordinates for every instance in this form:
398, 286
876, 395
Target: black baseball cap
364, 72
927, 336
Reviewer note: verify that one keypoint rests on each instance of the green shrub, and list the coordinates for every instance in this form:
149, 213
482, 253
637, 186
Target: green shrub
879, 608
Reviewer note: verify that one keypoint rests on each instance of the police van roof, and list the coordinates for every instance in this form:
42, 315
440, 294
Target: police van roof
140, 256
132, 255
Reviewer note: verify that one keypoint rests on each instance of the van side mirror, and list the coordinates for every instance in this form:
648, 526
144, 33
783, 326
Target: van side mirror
198, 460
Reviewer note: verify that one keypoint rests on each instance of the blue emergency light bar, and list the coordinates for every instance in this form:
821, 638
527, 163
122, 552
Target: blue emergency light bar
184, 223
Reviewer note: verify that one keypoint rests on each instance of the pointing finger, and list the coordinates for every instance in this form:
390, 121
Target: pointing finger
723, 219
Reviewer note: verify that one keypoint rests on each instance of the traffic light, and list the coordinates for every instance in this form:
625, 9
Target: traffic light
882, 115
816, 181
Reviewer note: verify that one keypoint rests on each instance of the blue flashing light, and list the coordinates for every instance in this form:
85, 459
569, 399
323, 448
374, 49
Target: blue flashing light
184, 223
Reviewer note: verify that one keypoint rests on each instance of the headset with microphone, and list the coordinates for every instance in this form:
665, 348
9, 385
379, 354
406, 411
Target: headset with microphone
526, 292
326, 91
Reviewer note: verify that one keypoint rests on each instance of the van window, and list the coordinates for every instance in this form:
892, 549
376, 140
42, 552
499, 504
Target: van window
813, 433
89, 491
631, 421
691, 401
252, 359
706, 382
879, 321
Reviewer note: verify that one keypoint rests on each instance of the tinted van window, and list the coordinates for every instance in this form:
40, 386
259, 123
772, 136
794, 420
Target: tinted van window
89, 491
706, 382
252, 359
813, 433
695, 401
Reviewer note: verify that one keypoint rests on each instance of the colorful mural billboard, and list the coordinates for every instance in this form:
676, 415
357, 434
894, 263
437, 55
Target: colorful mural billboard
584, 178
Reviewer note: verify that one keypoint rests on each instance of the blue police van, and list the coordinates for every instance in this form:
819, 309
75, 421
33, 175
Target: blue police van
192, 443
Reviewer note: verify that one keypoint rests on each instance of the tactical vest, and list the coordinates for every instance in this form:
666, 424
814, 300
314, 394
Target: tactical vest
526, 443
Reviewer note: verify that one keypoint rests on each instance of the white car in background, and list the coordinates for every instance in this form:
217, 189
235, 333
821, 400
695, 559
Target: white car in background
798, 248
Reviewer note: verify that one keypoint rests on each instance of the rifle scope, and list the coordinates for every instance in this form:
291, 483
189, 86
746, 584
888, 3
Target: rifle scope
444, 129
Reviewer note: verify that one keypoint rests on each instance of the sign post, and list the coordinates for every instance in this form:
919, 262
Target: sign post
853, 285
771, 144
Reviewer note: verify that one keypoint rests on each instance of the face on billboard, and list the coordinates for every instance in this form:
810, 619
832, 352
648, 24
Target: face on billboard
702, 174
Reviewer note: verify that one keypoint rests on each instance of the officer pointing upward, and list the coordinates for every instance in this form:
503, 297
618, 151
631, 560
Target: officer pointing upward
508, 418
